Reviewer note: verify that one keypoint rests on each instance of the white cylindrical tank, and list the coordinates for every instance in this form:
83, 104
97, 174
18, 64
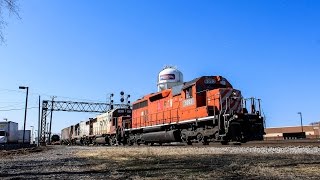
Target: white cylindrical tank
169, 77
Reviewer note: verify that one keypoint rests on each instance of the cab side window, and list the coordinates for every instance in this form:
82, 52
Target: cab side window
189, 92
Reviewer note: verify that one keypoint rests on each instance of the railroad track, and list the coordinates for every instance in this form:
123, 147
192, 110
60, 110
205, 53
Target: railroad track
276, 143
279, 143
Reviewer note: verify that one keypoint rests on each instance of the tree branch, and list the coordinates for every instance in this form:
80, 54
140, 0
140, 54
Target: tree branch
13, 9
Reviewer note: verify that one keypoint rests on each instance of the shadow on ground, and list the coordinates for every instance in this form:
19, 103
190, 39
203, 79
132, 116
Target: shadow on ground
169, 167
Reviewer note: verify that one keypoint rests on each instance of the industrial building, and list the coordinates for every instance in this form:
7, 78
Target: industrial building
293, 132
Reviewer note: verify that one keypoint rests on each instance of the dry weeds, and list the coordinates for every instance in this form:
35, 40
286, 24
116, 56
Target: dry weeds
200, 163
23, 151
145, 162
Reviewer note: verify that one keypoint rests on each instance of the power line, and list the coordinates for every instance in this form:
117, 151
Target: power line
10, 105
71, 98
18, 109
65, 97
43, 94
11, 90
11, 102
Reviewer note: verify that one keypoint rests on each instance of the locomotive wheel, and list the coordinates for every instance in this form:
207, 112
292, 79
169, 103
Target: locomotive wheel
189, 143
200, 137
138, 142
110, 142
183, 137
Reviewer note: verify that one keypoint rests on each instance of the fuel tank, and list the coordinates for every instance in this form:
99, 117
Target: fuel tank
79, 142
102, 140
162, 137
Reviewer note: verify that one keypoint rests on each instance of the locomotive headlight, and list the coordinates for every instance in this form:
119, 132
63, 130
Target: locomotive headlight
235, 116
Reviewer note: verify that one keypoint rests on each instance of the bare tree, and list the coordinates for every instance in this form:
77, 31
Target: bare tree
315, 123
7, 6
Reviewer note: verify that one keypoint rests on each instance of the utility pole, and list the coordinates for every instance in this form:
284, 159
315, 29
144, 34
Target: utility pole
52, 97
301, 122
25, 111
39, 122
31, 142
35, 137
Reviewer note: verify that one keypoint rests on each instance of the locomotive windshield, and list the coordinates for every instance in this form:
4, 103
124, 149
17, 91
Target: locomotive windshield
122, 112
210, 83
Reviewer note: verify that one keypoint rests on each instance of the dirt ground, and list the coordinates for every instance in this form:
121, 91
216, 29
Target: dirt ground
63, 162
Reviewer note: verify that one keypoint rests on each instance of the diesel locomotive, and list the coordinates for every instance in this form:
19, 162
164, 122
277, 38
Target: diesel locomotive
203, 110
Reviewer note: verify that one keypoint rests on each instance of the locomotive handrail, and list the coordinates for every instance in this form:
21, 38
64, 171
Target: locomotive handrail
149, 120
252, 104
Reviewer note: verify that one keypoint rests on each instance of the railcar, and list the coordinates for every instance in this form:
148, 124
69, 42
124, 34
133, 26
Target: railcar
66, 135
109, 126
104, 129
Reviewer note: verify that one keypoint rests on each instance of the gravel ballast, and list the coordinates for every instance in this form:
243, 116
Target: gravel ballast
145, 162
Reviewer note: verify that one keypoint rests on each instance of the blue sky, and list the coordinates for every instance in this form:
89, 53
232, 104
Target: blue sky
82, 50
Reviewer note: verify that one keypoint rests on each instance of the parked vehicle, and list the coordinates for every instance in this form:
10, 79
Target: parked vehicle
8, 132
27, 136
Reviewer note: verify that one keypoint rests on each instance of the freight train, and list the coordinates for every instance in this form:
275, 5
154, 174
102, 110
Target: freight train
203, 110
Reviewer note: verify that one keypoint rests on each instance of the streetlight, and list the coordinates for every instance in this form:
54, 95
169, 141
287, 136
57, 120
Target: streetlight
31, 134
25, 111
301, 121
